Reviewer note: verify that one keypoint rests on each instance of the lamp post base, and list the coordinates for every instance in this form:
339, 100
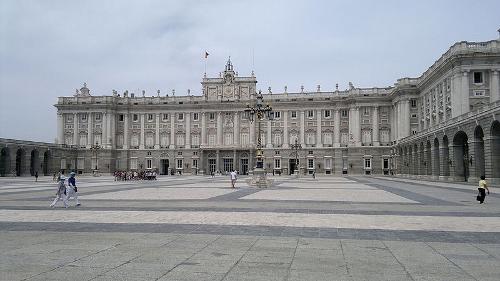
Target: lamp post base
259, 179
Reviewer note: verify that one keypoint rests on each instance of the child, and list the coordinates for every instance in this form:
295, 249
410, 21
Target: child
61, 193
481, 188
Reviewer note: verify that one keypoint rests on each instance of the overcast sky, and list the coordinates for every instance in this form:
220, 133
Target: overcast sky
49, 48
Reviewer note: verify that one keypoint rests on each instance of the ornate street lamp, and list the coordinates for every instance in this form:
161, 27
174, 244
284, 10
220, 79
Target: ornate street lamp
95, 148
258, 113
296, 146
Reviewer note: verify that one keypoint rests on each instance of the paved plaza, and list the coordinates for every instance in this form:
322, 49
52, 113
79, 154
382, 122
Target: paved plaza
198, 228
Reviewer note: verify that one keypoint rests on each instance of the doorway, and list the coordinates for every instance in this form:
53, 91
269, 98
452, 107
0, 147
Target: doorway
228, 164
292, 165
244, 167
164, 164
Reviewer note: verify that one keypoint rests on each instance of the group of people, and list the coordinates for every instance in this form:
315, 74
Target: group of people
134, 175
66, 192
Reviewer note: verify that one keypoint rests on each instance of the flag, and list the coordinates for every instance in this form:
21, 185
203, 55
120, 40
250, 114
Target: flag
206, 54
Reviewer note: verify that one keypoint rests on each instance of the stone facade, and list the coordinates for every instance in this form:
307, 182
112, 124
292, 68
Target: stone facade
402, 129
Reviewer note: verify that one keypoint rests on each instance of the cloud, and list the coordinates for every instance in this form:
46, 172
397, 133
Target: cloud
49, 48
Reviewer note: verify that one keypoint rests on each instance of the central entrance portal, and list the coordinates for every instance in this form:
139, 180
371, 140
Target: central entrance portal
228, 165
292, 166
164, 167
244, 167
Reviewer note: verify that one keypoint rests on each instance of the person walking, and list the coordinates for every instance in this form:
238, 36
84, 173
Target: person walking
61, 193
483, 186
233, 176
71, 190
36, 176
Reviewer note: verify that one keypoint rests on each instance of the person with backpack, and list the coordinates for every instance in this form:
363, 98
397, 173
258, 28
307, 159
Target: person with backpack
61, 193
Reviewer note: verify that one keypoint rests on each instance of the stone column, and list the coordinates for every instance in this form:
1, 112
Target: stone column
456, 96
491, 159
443, 162
125, 131
60, 128
286, 142
157, 131
319, 142
495, 86
236, 130
354, 126
203, 129
141, 144
393, 118
252, 132
172, 135
188, 130
75, 129
302, 128
269, 135
436, 166
375, 125
336, 129
451, 151
465, 92
406, 118
90, 129
112, 130
220, 141
109, 129
104, 129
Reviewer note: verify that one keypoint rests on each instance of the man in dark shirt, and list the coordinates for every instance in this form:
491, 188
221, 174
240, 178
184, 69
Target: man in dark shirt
71, 190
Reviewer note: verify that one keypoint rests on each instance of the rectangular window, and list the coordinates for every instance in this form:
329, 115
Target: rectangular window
179, 163
328, 163
135, 117
150, 117
478, 77
149, 163
310, 113
181, 116
366, 111
277, 114
121, 117
413, 103
310, 163
328, 113
414, 115
133, 163
479, 93
386, 163
211, 116
98, 116
195, 163
84, 117
344, 113
277, 163
195, 116
368, 163
293, 114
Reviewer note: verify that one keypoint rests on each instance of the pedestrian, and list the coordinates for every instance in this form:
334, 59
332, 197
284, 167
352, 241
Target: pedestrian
61, 193
71, 190
314, 174
36, 176
54, 176
233, 176
483, 186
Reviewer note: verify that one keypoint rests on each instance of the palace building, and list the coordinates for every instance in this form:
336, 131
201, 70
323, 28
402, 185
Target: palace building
443, 124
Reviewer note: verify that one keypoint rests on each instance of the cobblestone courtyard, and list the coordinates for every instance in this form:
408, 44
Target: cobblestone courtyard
197, 228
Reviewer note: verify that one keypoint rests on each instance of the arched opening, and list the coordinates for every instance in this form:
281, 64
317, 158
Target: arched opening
46, 163
428, 158
416, 164
4, 162
436, 169
423, 163
446, 157
406, 164
478, 162
461, 156
19, 161
34, 162
495, 149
